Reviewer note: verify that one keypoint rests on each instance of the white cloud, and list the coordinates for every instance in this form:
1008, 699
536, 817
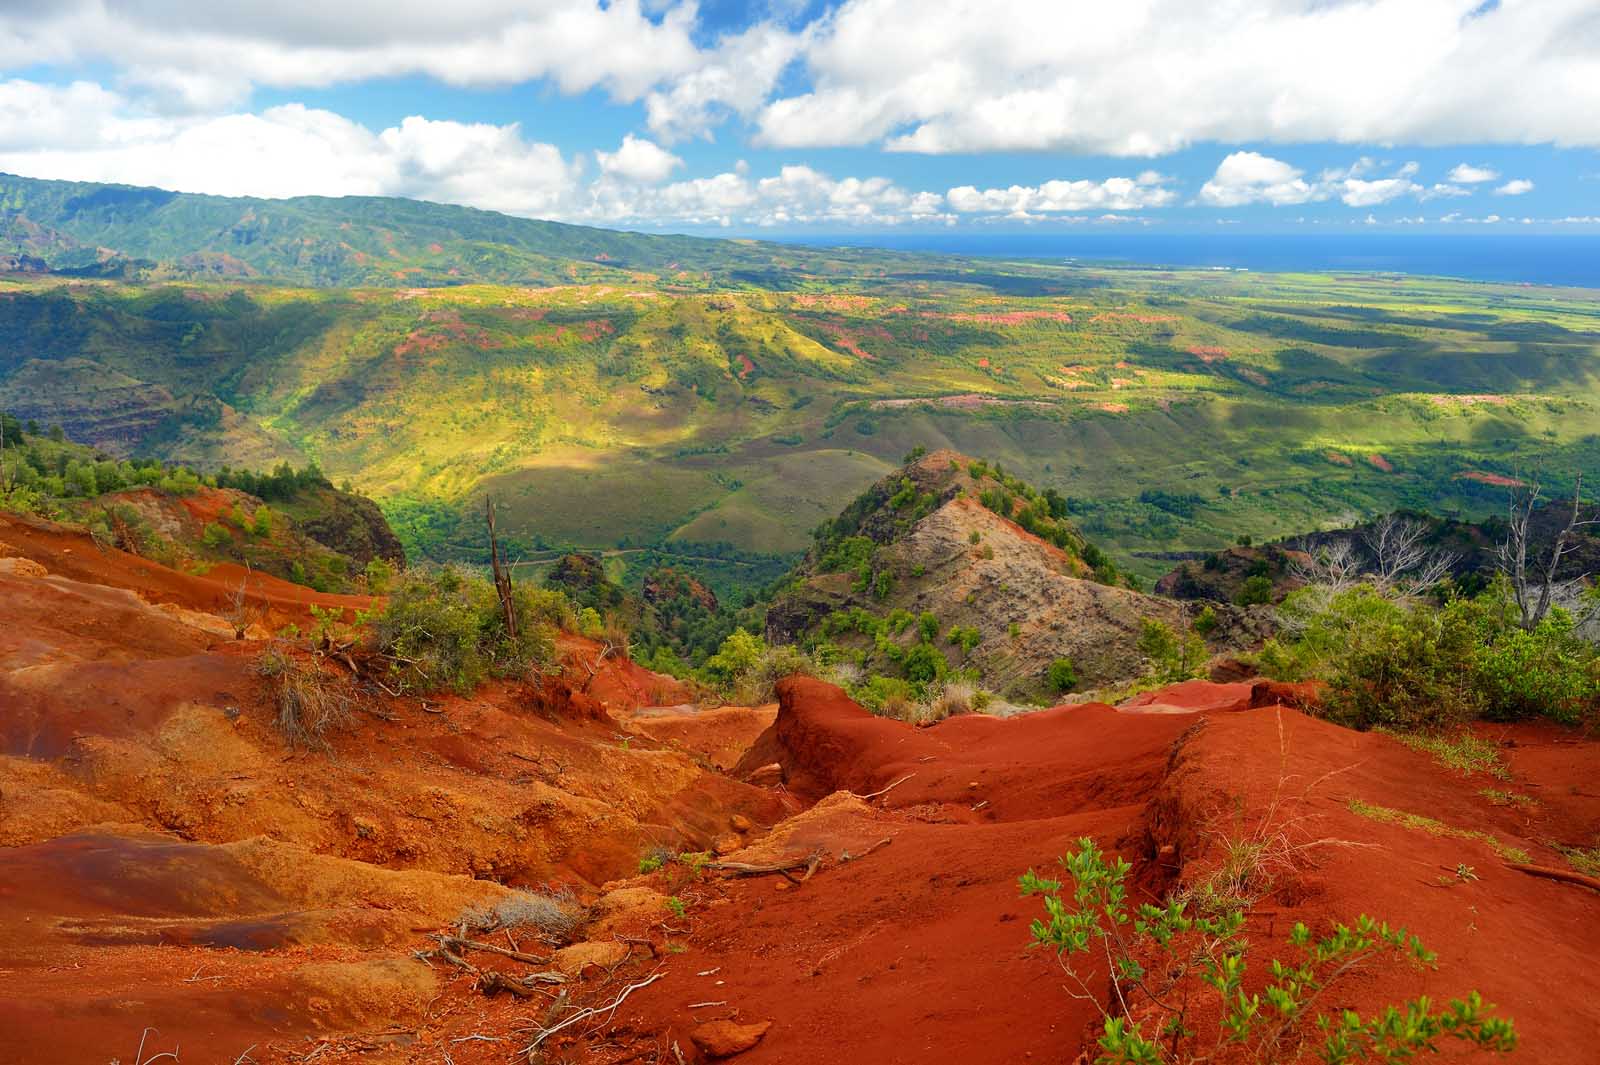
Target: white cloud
736, 78
1252, 178
209, 55
1114, 194
1515, 187
1249, 177
1467, 174
638, 160
1146, 78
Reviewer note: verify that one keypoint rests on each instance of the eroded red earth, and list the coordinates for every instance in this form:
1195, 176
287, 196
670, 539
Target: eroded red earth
167, 862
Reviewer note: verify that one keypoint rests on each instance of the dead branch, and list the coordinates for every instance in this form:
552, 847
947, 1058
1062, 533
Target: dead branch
783, 867
846, 856
502, 575
891, 787
1563, 875
585, 1014
461, 945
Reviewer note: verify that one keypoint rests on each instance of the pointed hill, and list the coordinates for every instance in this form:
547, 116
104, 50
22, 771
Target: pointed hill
952, 551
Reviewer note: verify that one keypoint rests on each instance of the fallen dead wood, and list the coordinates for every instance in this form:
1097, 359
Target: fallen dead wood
885, 791
461, 945
1562, 875
846, 856
784, 867
585, 1014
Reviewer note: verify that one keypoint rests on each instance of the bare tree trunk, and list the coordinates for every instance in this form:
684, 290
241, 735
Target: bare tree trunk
502, 576
1533, 603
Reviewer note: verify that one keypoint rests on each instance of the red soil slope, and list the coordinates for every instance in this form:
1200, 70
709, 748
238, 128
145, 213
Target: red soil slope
166, 861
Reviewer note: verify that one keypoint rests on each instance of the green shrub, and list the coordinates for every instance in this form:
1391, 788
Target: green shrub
1163, 957
965, 638
379, 573
1173, 656
1062, 676
445, 628
1206, 622
215, 535
1255, 590
747, 669
924, 664
1413, 664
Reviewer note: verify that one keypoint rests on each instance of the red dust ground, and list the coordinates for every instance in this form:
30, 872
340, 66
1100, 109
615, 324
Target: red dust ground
167, 861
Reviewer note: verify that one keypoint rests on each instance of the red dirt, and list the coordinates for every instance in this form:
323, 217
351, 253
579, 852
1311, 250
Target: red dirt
1380, 463
166, 860
1499, 480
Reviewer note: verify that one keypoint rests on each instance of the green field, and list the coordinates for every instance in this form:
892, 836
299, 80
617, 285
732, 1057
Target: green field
637, 407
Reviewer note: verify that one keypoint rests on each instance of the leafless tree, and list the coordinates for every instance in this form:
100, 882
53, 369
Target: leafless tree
1334, 565
1402, 561
1397, 560
1532, 568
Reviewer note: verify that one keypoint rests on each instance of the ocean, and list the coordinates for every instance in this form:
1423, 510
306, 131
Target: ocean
1532, 258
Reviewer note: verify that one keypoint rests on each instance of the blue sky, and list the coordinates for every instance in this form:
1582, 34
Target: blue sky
800, 116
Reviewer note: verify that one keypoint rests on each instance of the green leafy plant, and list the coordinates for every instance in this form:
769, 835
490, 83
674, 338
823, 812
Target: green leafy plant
1062, 676
1164, 960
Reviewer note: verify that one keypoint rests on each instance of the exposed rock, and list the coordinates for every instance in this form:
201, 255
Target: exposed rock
726, 845
725, 1038
22, 567
574, 960
739, 823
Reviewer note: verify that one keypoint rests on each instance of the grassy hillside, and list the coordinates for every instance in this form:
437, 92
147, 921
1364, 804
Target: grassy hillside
1175, 410
128, 232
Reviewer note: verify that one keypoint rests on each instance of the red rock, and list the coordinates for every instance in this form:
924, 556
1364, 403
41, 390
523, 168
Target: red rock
725, 1038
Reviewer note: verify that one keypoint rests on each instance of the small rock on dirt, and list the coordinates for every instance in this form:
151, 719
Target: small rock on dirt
575, 959
723, 1039
726, 845
740, 823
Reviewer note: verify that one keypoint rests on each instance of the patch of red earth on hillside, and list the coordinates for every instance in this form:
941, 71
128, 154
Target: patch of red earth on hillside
1208, 354
586, 332
1499, 480
836, 303
1002, 317
1122, 382
1112, 408
745, 366
436, 248
68, 553
1469, 401
602, 257
1378, 462
1339, 459
1140, 319
983, 364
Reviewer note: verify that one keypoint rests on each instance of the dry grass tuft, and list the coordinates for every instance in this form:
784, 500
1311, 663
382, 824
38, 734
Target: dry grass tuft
310, 702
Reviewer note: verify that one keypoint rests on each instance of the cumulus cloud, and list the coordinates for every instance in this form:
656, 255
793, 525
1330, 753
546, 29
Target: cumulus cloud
1467, 174
206, 56
638, 160
1149, 78
1514, 187
1250, 177
1149, 189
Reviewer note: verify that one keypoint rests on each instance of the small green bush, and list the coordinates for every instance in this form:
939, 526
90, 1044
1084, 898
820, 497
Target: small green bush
1255, 590
1162, 957
444, 628
1173, 656
1206, 622
1062, 676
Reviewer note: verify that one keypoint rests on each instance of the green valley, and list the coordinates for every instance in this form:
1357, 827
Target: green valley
648, 407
